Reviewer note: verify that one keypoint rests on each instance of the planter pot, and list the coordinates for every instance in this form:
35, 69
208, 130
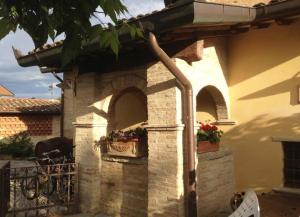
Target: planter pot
206, 146
131, 148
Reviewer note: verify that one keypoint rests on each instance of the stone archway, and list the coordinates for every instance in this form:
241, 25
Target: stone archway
119, 83
127, 109
210, 104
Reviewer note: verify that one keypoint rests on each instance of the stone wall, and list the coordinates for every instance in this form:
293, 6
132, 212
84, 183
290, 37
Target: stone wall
69, 100
125, 186
215, 183
153, 187
165, 162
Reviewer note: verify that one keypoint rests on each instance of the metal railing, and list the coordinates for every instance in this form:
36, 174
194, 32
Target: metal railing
43, 190
4, 188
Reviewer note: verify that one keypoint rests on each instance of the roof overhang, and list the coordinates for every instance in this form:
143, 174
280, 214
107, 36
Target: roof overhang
188, 20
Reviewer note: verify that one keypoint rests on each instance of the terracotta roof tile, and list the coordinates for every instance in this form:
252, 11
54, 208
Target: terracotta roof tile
32, 106
5, 92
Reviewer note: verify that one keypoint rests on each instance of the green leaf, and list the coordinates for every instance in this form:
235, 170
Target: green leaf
115, 47
4, 28
95, 31
71, 49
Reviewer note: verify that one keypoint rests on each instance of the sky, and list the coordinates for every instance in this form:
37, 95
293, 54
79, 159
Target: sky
29, 82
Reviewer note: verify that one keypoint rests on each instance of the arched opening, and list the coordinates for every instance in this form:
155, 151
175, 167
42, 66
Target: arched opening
128, 110
211, 105
125, 171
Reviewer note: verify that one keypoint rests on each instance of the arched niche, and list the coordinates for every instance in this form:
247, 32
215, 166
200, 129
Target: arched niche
128, 109
210, 105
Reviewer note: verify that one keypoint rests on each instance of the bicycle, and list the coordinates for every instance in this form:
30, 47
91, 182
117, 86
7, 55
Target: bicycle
41, 181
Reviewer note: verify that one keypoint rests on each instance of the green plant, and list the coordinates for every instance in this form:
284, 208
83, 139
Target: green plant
19, 145
208, 132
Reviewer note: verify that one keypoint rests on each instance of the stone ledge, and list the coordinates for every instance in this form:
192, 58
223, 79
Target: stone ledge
222, 152
285, 139
178, 127
88, 125
126, 160
225, 122
286, 190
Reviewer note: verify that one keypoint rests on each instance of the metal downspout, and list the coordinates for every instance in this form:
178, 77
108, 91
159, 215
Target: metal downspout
189, 154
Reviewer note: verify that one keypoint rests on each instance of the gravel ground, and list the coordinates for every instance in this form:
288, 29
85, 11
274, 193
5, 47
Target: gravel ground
279, 205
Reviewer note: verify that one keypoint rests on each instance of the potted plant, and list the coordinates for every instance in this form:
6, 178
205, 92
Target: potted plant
131, 143
208, 138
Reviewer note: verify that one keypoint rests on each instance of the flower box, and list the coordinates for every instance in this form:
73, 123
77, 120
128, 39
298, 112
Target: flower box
131, 148
207, 146
208, 138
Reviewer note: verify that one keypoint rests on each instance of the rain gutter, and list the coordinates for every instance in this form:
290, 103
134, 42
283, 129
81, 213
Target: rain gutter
189, 153
184, 13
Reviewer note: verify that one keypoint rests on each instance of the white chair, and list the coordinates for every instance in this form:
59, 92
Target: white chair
249, 207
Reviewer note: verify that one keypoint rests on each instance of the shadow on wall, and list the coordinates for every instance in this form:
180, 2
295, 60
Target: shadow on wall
251, 141
134, 190
128, 110
206, 107
220, 45
260, 50
289, 85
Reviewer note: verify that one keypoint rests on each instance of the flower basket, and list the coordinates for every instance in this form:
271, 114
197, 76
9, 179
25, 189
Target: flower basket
132, 143
207, 146
208, 138
131, 148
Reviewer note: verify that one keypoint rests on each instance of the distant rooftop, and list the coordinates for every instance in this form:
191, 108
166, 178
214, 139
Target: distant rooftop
5, 92
29, 106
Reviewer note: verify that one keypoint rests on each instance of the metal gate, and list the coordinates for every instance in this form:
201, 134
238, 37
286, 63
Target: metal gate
42, 190
4, 188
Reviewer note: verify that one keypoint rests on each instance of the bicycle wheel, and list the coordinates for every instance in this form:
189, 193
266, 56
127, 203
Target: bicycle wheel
29, 187
47, 185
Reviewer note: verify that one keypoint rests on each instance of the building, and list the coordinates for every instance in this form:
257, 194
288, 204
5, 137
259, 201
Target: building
243, 65
39, 118
4, 92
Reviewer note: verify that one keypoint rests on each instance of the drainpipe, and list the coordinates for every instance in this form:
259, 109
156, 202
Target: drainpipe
189, 154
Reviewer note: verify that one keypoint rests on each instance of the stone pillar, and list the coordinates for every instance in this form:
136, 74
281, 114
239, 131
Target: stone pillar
216, 183
87, 153
165, 143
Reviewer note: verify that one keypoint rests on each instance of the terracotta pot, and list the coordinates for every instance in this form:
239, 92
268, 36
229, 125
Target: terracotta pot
207, 146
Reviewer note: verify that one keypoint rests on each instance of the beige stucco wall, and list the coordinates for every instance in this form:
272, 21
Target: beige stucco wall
264, 77
211, 74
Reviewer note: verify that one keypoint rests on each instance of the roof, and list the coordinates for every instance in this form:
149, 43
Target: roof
29, 106
5, 92
185, 19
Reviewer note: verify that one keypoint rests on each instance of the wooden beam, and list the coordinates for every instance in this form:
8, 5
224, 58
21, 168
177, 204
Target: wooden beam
191, 53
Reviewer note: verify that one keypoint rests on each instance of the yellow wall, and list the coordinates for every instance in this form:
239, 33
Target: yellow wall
205, 107
130, 110
264, 72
